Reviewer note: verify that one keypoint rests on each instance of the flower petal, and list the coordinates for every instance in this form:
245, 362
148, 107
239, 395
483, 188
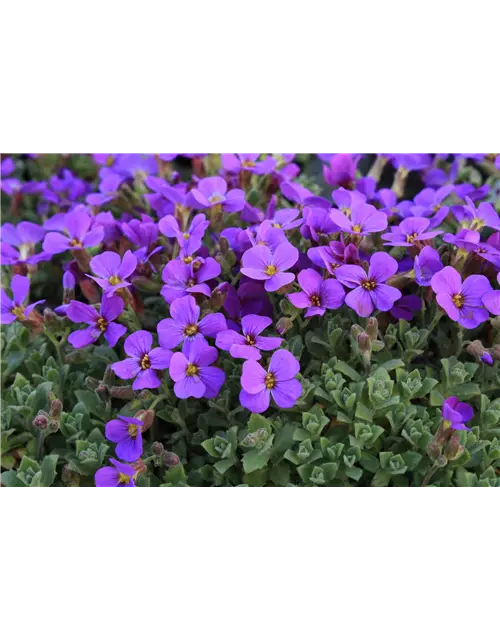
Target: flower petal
79, 312
114, 332
160, 358
138, 344
446, 281
127, 368
253, 377
382, 266
130, 449
212, 324
178, 366
384, 296
286, 393
360, 300
189, 387
213, 378
146, 379
284, 365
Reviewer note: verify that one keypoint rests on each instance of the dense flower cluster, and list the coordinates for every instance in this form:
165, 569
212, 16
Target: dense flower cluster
176, 271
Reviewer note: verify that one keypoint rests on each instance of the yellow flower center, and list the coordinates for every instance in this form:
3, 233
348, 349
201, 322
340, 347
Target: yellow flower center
102, 325
346, 211
191, 282
458, 300
18, 311
270, 381
270, 270
132, 429
357, 228
114, 280
368, 285
190, 330
315, 300
186, 235
277, 225
412, 237
215, 198
250, 339
248, 163
187, 259
123, 478
145, 362
74, 242
192, 370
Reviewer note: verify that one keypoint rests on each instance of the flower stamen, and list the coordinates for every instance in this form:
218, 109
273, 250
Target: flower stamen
192, 370
145, 362
368, 285
270, 270
270, 381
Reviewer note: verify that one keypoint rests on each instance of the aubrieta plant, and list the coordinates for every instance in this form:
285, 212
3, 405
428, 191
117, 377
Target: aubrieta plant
250, 320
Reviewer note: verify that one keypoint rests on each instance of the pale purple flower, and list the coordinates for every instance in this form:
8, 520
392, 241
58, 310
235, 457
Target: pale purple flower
192, 373
119, 475
477, 218
192, 237
260, 263
342, 170
185, 325
212, 192
492, 300
18, 243
249, 342
181, 279
317, 223
112, 271
456, 414
236, 162
470, 241
364, 219
15, 309
369, 291
317, 295
461, 301
411, 231
142, 233
127, 433
81, 235
425, 265
143, 361
258, 385
99, 322
9, 185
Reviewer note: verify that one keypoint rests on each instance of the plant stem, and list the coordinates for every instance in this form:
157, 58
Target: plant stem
429, 474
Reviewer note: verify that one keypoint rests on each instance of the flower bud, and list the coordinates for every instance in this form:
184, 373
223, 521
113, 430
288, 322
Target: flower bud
147, 416
372, 328
495, 351
41, 421
157, 449
356, 330
56, 409
53, 425
170, 459
283, 325
218, 298
103, 392
123, 393
224, 245
51, 319
364, 342
109, 376
91, 383
453, 448
477, 350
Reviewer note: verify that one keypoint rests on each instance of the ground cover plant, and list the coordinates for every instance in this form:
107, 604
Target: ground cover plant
250, 320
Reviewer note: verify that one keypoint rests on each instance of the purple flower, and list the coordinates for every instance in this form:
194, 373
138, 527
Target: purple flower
143, 361
24, 236
81, 236
456, 413
475, 219
317, 223
406, 307
184, 325
470, 242
212, 192
181, 279
317, 294
285, 219
120, 476
8, 185
99, 322
409, 232
342, 170
258, 385
249, 344
192, 373
462, 302
234, 163
15, 309
369, 292
265, 234
192, 237
142, 233
365, 219
113, 271
426, 264
259, 263
492, 300
127, 433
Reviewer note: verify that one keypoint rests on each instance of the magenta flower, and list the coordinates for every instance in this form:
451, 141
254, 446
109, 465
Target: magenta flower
425, 265
456, 413
409, 232
248, 344
143, 361
492, 300
259, 263
185, 326
364, 219
461, 301
127, 433
113, 271
236, 162
317, 223
181, 279
192, 373
15, 309
342, 169
258, 385
317, 294
212, 192
122, 475
369, 291
100, 322
81, 235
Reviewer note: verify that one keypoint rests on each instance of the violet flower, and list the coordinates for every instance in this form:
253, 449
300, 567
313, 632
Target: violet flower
142, 233
212, 192
185, 326
477, 218
249, 344
342, 170
259, 263
456, 414
113, 271
99, 322
406, 307
192, 373
122, 475
425, 265
461, 301
18, 243
317, 294
369, 291
126, 431
9, 185
365, 219
143, 361
236, 162
258, 385
411, 231
303, 197
181, 279
81, 236
317, 224
492, 300
192, 237
15, 309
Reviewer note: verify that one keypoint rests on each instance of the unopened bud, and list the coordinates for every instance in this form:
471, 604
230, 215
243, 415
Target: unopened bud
372, 328
223, 244
41, 421
91, 383
56, 409
356, 330
453, 448
495, 351
364, 342
109, 376
170, 459
495, 323
433, 449
157, 448
122, 393
103, 392
147, 416
51, 319
218, 298
53, 425
477, 350
283, 325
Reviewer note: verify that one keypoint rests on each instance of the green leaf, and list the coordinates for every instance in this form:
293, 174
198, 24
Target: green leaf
223, 465
257, 422
343, 367
254, 460
92, 403
48, 470
28, 463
